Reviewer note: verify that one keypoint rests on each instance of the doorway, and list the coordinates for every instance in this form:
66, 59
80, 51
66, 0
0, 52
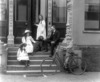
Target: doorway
25, 15
59, 16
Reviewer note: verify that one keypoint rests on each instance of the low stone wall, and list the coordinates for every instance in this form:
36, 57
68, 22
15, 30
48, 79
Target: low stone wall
3, 57
92, 56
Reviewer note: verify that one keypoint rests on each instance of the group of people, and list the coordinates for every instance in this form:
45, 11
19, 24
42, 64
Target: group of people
28, 43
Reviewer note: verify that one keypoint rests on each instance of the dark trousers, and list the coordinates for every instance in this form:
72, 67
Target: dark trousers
52, 45
46, 42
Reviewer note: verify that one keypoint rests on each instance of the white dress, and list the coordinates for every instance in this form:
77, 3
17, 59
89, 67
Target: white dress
22, 55
29, 47
41, 30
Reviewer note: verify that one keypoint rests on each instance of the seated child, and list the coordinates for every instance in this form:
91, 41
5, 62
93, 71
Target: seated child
27, 39
22, 55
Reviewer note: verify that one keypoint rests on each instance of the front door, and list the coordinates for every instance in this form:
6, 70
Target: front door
24, 17
59, 14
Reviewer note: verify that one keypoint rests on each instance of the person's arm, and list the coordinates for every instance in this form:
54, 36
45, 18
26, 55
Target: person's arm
37, 24
57, 37
23, 39
18, 52
43, 23
32, 40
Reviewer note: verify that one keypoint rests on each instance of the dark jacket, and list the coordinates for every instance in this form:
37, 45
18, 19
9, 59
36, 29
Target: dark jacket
55, 36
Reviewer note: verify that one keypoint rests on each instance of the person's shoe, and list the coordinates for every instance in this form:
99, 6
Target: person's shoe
26, 66
46, 50
50, 55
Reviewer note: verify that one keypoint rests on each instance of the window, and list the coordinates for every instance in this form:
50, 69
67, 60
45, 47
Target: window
92, 14
59, 11
21, 10
3, 10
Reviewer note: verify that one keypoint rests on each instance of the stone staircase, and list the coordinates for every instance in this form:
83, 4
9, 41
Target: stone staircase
14, 67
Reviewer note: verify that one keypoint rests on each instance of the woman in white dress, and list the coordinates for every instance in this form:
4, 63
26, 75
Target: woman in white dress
22, 55
41, 28
28, 40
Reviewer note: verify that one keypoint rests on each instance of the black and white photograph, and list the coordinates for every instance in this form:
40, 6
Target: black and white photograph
49, 40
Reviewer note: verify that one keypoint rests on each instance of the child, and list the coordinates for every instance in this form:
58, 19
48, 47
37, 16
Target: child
41, 29
22, 55
28, 40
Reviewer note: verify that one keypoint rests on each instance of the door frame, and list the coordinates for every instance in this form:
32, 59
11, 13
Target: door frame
28, 23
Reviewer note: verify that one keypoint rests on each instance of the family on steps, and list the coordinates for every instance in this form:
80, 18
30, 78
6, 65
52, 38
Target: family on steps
29, 45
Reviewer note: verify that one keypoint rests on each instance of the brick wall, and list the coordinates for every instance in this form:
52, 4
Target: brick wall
92, 56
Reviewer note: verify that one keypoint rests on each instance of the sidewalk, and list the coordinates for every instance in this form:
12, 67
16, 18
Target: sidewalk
62, 77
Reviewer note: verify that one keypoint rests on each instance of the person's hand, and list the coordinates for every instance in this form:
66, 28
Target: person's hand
34, 41
52, 42
36, 24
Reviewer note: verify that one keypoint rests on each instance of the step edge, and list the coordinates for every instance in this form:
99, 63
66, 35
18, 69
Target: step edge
30, 60
29, 56
27, 71
46, 65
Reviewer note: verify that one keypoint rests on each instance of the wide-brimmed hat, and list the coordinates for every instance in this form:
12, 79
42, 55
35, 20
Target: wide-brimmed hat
27, 31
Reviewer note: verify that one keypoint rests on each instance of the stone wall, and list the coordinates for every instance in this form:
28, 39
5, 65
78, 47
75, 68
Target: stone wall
92, 56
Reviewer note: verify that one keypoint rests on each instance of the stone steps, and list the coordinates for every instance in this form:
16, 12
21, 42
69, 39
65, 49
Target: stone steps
14, 67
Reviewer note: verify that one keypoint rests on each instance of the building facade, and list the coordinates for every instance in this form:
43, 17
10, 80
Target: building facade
79, 19
16, 15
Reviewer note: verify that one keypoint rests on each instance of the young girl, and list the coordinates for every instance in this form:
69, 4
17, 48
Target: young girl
28, 40
41, 29
22, 55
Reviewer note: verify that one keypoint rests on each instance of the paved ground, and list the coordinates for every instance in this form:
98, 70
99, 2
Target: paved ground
87, 77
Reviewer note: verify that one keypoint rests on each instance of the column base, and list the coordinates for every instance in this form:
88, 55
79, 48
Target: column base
10, 40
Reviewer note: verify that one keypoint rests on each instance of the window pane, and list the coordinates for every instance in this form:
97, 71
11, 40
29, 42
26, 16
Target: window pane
92, 14
3, 10
59, 11
21, 10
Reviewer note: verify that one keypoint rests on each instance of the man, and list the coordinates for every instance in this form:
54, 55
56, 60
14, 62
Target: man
53, 40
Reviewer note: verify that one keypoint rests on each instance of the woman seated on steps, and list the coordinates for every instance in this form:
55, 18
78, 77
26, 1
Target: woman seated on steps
22, 55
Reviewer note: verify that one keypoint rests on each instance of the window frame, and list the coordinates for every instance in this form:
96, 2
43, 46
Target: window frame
65, 14
92, 29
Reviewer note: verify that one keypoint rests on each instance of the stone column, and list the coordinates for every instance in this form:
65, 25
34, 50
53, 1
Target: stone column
49, 24
37, 8
10, 35
69, 24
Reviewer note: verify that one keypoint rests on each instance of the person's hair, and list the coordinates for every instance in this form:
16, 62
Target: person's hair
22, 45
41, 16
54, 26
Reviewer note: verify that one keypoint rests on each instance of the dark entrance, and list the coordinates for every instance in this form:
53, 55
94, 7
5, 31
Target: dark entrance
59, 14
25, 15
